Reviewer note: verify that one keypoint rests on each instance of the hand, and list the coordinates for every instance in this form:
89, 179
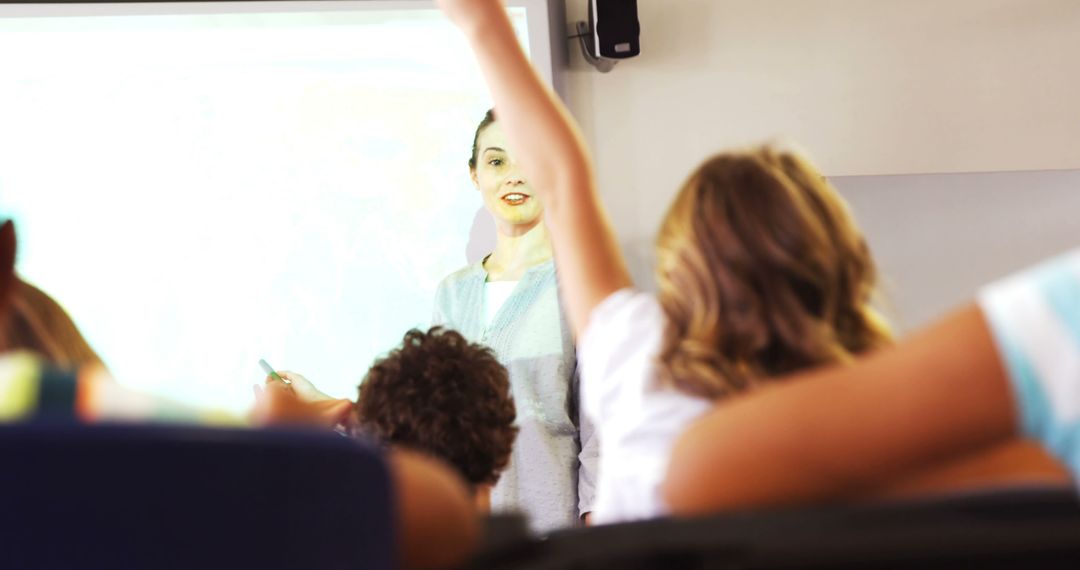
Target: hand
465, 12
304, 389
278, 404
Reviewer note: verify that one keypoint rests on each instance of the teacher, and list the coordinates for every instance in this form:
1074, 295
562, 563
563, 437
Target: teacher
509, 301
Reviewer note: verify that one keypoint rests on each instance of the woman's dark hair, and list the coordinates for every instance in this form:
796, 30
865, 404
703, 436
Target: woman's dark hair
489, 118
440, 394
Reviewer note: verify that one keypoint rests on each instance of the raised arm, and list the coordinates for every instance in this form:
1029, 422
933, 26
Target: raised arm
553, 156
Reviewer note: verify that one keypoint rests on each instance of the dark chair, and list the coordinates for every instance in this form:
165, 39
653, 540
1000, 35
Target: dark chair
1019, 528
182, 497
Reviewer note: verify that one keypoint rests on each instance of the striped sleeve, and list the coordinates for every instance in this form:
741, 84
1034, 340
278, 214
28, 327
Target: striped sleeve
1034, 318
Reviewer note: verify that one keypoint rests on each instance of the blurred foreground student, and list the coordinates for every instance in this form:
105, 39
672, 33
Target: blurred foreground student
436, 394
1005, 366
761, 271
437, 526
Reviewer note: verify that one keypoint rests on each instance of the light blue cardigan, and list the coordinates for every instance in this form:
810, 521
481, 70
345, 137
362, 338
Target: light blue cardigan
552, 471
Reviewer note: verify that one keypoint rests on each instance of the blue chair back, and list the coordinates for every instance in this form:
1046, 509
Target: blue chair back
118, 496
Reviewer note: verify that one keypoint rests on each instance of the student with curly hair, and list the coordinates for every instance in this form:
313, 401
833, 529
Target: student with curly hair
442, 395
438, 394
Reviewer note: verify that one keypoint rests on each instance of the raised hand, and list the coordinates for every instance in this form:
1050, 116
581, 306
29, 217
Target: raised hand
466, 12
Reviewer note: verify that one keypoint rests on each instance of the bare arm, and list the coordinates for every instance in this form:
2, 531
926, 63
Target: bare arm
437, 524
1013, 463
840, 431
553, 156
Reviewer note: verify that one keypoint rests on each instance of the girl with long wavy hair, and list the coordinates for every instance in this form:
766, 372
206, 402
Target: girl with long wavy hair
762, 272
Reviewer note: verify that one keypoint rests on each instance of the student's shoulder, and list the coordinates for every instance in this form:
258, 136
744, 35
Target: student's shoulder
1034, 319
20, 373
18, 362
626, 323
1036, 301
625, 312
616, 353
29, 384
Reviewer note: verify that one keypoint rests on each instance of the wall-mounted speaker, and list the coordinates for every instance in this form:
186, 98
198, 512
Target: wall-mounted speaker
615, 28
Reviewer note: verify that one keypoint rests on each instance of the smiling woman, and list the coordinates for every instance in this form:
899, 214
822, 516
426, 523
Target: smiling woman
505, 192
509, 301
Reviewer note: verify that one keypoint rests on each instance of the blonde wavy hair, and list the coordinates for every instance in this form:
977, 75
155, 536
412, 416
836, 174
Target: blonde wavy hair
762, 272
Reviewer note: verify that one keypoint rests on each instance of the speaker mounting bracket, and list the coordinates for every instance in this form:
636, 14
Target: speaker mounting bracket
602, 64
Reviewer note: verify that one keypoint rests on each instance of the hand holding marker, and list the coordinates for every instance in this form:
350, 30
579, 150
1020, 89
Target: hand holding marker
307, 406
272, 373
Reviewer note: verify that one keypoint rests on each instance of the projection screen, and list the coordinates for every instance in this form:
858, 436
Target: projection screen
202, 185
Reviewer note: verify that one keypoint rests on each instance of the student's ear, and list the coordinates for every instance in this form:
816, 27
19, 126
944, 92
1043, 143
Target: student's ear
472, 176
7, 263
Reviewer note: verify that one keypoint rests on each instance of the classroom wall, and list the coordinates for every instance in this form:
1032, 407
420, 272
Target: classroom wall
938, 237
869, 88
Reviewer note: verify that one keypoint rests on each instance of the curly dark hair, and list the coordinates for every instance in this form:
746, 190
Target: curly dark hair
440, 394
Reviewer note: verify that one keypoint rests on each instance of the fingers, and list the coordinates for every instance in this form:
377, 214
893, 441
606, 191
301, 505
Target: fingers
275, 391
278, 379
293, 377
303, 387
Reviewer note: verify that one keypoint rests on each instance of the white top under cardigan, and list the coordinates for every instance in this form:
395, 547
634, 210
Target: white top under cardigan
636, 417
495, 295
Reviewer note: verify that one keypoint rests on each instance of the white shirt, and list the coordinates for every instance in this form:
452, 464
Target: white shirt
637, 417
495, 295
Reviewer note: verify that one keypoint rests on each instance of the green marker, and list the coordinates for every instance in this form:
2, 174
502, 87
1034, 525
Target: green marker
271, 372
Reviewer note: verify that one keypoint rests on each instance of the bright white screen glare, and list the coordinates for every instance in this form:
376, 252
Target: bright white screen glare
200, 190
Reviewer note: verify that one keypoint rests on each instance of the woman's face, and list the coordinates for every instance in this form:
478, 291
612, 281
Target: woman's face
502, 186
